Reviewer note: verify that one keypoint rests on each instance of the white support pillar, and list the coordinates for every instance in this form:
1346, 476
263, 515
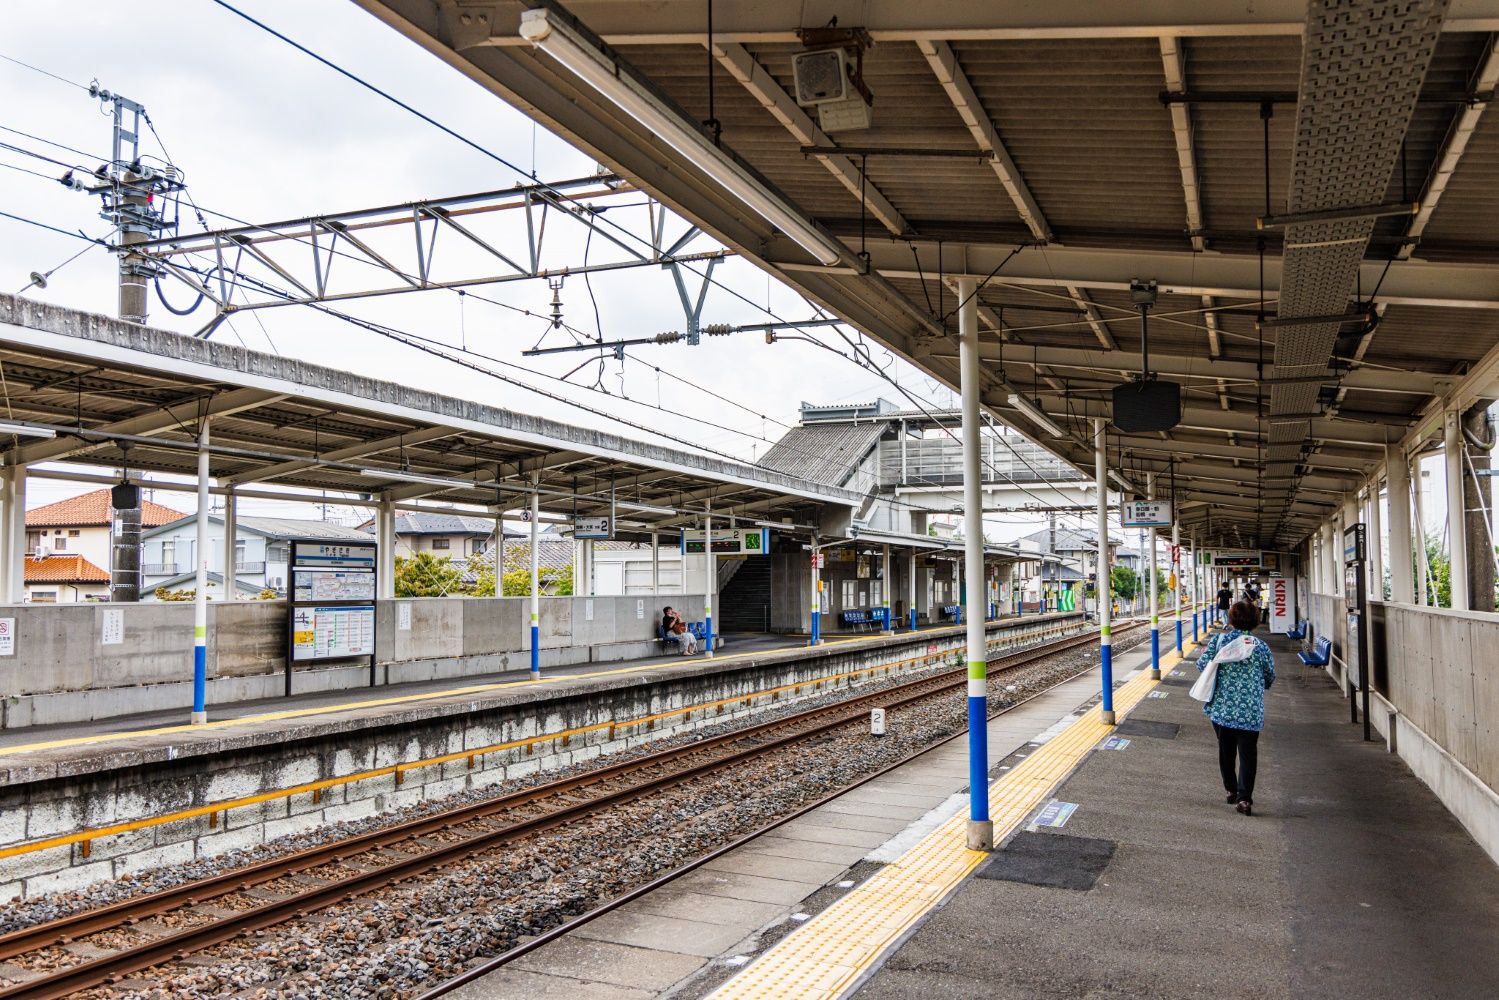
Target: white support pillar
13, 537
980, 827
710, 578
1457, 520
1402, 581
1155, 616
231, 529
1418, 513
200, 594
385, 542
911, 584
535, 577
498, 555
655, 565
1176, 571
1376, 543
1105, 598
887, 593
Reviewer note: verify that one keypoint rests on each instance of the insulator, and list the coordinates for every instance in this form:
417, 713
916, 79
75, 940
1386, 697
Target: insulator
718, 329
669, 337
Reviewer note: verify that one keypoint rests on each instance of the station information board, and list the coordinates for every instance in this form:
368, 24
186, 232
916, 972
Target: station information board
729, 541
330, 603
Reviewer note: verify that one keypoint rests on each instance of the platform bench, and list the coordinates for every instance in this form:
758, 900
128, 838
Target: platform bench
1299, 632
949, 612
1319, 656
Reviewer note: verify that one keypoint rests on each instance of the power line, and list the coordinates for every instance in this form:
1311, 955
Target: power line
38, 69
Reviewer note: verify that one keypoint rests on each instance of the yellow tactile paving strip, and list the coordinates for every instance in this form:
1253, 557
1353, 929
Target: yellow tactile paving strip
828, 954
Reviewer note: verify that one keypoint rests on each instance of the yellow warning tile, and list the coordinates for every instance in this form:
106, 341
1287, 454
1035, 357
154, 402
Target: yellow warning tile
827, 954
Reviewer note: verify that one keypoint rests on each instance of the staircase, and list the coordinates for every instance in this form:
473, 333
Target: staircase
744, 600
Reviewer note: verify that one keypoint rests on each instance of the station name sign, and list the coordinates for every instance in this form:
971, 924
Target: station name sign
1145, 514
593, 527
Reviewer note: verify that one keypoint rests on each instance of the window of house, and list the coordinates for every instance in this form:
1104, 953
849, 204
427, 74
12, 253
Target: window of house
60, 543
44, 597
439, 543
849, 594
876, 594
169, 550
239, 552
276, 553
73, 532
33, 539
477, 546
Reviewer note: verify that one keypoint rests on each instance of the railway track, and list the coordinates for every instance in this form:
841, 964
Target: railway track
258, 896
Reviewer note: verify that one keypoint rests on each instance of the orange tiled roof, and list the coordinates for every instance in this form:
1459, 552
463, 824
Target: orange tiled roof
91, 510
64, 569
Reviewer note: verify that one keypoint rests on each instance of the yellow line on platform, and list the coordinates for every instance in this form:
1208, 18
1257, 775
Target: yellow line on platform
829, 953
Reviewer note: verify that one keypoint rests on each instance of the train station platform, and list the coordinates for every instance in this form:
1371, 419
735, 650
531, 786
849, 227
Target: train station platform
1122, 873
93, 800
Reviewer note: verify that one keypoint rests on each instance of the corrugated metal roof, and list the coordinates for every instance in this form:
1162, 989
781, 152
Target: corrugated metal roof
823, 453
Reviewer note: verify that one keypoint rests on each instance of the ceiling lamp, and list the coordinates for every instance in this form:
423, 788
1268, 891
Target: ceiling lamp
1037, 415
545, 30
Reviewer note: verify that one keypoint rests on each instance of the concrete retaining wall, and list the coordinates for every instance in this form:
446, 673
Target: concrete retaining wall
62, 670
100, 786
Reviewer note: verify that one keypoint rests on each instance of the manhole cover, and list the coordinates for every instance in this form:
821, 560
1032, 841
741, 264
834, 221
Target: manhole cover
1050, 860
1141, 727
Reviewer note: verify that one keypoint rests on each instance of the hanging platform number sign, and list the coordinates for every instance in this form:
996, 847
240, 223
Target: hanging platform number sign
1145, 513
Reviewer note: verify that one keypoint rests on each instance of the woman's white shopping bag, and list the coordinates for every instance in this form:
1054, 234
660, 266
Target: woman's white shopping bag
1241, 648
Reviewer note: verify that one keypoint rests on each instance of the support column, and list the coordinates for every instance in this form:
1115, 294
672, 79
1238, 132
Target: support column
13, 537
385, 542
710, 578
980, 827
656, 564
535, 577
1475, 427
499, 552
1155, 617
816, 611
1192, 559
1105, 603
1423, 564
887, 593
200, 595
1457, 521
1176, 571
1402, 581
231, 529
1376, 543
911, 583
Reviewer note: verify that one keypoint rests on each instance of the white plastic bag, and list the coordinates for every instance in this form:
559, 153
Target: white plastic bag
1241, 648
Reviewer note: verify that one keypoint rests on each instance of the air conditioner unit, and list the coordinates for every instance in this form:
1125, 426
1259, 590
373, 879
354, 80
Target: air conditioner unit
41, 552
820, 76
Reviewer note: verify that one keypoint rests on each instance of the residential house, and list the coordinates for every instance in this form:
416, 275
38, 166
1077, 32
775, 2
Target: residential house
261, 549
64, 579
458, 536
69, 544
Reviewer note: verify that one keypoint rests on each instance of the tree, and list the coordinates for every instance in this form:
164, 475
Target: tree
1125, 583
424, 575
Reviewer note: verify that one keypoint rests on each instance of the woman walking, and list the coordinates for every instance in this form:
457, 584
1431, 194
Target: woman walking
1245, 669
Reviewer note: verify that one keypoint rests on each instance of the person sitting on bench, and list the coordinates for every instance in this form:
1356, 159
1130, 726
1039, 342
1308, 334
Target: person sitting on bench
674, 629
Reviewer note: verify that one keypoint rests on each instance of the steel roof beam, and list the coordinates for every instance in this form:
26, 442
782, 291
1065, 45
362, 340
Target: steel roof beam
1174, 66
417, 436
1456, 143
182, 416
684, 22
939, 55
764, 88
1178, 272
1166, 363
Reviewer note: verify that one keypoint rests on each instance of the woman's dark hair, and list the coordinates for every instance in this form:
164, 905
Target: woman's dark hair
666, 609
1243, 616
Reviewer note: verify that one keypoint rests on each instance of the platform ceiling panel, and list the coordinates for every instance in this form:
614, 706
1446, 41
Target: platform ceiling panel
1072, 89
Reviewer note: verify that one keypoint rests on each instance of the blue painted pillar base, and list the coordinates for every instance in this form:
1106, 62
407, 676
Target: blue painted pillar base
913, 619
536, 652
1106, 665
1195, 616
1155, 652
816, 628
980, 829
1178, 637
200, 683
708, 634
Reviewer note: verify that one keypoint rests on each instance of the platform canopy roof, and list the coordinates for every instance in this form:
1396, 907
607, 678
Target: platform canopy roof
116, 394
1109, 142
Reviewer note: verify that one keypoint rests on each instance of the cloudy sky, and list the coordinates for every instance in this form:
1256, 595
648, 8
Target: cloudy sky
264, 132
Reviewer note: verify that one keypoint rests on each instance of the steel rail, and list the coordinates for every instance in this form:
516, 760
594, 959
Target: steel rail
110, 968
492, 965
